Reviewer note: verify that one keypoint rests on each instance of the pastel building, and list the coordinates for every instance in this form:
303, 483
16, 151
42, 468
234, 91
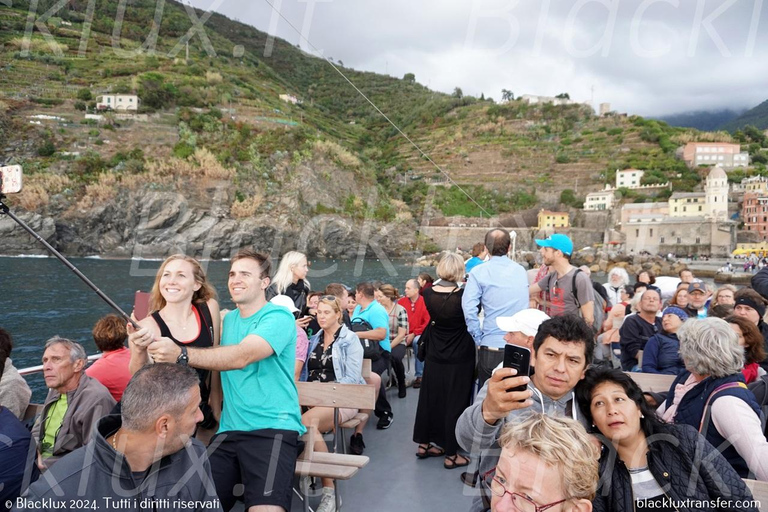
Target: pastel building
603, 200
694, 223
722, 154
551, 220
629, 178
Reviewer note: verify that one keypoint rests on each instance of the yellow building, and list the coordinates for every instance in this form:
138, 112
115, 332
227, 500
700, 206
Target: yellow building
746, 249
688, 204
548, 219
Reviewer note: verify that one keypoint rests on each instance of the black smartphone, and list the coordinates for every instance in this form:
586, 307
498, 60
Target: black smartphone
518, 358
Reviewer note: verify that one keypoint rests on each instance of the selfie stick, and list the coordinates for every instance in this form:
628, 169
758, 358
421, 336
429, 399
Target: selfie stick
5, 210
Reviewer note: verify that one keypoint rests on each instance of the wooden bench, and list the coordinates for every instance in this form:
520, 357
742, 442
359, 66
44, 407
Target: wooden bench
358, 418
652, 382
759, 493
337, 466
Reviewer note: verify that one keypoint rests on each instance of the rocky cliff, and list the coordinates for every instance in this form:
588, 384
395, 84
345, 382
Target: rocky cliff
155, 224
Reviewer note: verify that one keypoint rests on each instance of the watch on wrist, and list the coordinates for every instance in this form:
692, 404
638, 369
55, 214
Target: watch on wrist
183, 357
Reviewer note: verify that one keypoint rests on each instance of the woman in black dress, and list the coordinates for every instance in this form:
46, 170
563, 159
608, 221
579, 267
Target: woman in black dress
446, 388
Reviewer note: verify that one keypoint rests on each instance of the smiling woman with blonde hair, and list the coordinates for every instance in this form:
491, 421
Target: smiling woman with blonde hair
183, 308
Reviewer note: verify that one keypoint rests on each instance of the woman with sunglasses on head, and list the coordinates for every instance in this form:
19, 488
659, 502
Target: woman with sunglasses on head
646, 463
334, 355
182, 307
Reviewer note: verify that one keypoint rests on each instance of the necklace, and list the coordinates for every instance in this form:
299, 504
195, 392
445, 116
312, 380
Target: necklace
114, 440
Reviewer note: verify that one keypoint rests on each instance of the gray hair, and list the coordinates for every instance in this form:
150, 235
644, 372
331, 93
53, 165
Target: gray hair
709, 346
620, 272
76, 350
156, 389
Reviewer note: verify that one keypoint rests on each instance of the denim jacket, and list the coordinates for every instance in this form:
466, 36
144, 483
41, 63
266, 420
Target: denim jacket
347, 354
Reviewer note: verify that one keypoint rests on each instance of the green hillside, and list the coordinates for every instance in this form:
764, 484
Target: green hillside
757, 117
216, 116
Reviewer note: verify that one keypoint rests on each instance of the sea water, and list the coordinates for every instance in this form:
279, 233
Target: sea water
41, 297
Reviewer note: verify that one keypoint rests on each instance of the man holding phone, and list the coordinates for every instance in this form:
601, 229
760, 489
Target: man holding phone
521, 329
563, 346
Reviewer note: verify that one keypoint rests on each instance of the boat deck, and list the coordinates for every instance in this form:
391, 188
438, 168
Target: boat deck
395, 479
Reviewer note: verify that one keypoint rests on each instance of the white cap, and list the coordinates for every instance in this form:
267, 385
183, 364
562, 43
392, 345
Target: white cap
284, 301
526, 321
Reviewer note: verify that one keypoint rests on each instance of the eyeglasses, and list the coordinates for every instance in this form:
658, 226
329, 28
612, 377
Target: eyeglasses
521, 502
329, 297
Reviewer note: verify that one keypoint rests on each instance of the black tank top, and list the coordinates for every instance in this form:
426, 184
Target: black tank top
204, 339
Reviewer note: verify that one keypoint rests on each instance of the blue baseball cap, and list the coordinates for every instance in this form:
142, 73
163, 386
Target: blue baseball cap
557, 241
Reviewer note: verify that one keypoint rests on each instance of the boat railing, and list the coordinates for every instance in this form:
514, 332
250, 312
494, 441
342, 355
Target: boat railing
38, 369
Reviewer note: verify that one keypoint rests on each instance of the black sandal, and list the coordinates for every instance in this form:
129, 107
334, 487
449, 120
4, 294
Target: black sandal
454, 464
425, 453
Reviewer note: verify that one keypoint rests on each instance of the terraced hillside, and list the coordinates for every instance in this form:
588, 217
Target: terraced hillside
223, 98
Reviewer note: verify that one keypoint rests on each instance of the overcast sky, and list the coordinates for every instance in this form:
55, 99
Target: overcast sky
651, 57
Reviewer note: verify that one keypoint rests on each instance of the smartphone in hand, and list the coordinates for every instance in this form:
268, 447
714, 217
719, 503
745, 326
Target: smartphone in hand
141, 305
518, 358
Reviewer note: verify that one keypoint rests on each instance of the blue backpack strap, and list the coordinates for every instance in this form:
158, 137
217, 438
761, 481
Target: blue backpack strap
707, 407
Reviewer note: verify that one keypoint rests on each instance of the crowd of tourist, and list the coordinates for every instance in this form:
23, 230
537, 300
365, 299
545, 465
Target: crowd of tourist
577, 431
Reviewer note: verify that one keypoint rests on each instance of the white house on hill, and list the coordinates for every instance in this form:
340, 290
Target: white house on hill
117, 102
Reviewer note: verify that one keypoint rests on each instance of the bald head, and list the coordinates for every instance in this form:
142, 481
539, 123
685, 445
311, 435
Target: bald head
412, 289
498, 241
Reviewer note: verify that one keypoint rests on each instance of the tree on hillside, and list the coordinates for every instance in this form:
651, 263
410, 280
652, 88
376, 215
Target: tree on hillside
84, 94
568, 197
154, 92
409, 77
458, 93
563, 96
507, 95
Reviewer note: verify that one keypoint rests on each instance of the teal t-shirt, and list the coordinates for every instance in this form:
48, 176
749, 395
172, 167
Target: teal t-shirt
263, 394
377, 316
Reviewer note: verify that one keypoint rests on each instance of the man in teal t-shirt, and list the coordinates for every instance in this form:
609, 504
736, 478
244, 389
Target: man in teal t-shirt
257, 441
374, 313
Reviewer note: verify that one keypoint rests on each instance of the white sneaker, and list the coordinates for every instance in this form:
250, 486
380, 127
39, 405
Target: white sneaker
328, 502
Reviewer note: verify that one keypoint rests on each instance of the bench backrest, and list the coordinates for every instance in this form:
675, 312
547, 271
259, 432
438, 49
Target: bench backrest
333, 394
759, 492
652, 381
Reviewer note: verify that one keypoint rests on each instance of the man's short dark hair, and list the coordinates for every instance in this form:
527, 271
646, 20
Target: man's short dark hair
261, 259
567, 329
154, 390
498, 241
366, 289
639, 285
335, 289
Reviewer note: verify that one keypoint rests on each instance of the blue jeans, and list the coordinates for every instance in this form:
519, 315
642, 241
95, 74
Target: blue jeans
418, 366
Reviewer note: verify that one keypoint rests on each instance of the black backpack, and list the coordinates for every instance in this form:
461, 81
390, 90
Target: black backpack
599, 302
371, 349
